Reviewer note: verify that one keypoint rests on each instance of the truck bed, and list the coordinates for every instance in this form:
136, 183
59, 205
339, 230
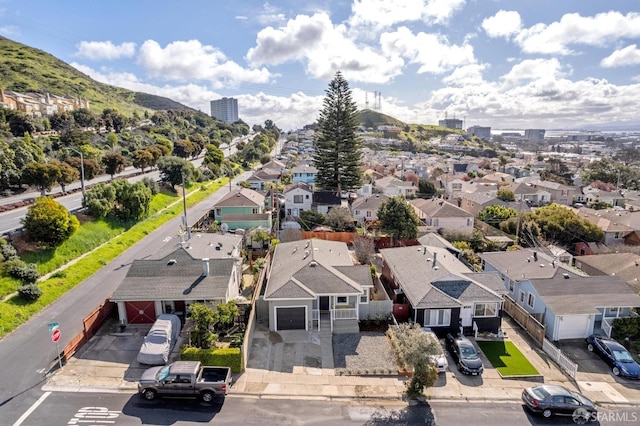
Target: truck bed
214, 374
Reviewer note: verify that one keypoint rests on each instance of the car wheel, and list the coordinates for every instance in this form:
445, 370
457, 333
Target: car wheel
149, 394
546, 413
590, 347
616, 371
207, 396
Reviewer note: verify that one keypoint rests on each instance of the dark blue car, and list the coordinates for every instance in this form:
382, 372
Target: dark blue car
464, 354
614, 354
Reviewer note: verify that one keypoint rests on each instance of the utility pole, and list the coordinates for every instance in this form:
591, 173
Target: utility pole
184, 205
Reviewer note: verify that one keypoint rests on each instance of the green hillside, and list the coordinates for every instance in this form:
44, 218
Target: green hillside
373, 119
25, 69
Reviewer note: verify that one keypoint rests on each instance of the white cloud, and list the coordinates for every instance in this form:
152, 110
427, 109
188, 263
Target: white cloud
10, 30
503, 24
432, 52
534, 69
466, 75
573, 29
325, 49
630, 55
269, 14
385, 13
104, 50
184, 60
294, 41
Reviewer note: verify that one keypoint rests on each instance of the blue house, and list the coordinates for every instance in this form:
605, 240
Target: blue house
304, 173
570, 305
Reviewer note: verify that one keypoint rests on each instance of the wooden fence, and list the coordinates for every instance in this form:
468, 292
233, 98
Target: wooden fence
91, 325
534, 328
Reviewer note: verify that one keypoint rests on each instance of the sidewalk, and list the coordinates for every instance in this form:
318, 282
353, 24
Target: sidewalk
107, 364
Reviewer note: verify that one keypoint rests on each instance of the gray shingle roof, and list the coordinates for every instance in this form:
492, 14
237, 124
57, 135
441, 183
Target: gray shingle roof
414, 269
308, 268
582, 295
520, 264
177, 276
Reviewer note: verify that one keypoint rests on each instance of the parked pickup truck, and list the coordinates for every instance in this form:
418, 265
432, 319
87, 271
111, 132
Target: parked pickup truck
185, 379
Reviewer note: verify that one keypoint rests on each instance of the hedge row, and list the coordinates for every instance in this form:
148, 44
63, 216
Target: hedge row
227, 357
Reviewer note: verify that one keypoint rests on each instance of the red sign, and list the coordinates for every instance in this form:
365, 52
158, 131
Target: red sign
55, 336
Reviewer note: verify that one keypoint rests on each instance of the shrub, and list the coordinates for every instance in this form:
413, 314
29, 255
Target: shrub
626, 327
152, 185
7, 251
30, 292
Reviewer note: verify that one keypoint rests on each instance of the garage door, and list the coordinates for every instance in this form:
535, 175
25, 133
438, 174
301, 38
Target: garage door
573, 327
290, 318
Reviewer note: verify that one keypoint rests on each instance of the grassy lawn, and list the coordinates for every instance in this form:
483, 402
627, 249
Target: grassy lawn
15, 311
507, 359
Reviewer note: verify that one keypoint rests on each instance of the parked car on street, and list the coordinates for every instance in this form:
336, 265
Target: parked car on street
185, 379
465, 355
614, 354
440, 359
160, 340
550, 400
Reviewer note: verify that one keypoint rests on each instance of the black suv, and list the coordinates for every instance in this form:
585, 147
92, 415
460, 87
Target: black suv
464, 354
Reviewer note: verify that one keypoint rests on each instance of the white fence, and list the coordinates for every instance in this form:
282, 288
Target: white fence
376, 309
563, 361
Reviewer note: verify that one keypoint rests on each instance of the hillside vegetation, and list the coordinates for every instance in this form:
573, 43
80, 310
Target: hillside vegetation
25, 69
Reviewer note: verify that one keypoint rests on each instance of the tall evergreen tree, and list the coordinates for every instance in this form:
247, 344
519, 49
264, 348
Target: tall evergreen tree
336, 147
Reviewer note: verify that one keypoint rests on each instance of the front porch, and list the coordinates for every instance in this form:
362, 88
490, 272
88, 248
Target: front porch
603, 324
337, 314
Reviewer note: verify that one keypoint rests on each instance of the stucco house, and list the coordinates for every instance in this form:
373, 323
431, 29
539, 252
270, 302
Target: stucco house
569, 304
242, 208
298, 197
304, 173
441, 292
440, 214
365, 209
314, 284
393, 186
205, 268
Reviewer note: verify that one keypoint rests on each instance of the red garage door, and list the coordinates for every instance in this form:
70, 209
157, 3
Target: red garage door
141, 312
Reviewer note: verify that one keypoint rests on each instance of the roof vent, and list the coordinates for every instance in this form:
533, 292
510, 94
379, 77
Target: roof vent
313, 263
172, 262
565, 276
542, 265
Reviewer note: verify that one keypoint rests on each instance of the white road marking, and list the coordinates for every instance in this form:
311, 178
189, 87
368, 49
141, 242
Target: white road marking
31, 409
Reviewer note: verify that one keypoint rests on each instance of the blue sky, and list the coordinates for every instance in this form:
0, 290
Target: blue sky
501, 63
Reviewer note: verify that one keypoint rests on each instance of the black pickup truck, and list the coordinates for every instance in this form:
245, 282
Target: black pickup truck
185, 379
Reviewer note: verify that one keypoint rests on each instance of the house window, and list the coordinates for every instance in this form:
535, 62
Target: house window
218, 212
357, 213
456, 186
255, 211
306, 196
369, 213
364, 298
521, 297
531, 300
341, 300
297, 199
469, 221
435, 222
437, 317
485, 310
611, 312
617, 235
511, 283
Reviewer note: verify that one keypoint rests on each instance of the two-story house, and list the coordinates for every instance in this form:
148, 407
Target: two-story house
298, 197
560, 194
441, 214
304, 173
242, 208
393, 186
365, 209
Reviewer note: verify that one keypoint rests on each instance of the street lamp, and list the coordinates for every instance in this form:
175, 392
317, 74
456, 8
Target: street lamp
84, 195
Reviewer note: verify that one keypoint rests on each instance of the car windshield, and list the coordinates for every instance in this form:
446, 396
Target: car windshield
540, 392
163, 373
622, 355
467, 352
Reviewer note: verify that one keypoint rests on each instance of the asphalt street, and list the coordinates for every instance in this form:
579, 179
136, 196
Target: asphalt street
28, 355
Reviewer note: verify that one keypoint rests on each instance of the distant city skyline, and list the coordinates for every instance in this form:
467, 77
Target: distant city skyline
525, 64
225, 109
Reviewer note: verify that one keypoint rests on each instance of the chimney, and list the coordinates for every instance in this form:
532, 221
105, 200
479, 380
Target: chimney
434, 259
205, 267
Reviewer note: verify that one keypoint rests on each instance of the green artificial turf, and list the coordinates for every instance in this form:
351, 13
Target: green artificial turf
507, 359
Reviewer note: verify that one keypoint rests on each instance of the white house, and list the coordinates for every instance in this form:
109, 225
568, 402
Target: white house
298, 197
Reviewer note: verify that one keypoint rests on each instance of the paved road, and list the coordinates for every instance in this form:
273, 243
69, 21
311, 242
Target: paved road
28, 354
118, 409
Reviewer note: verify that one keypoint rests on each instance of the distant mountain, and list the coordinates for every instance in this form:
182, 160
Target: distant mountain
623, 126
25, 69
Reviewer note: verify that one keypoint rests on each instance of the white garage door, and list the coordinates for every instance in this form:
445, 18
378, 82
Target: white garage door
573, 327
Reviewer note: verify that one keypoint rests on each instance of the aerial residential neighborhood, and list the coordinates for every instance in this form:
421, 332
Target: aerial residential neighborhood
187, 247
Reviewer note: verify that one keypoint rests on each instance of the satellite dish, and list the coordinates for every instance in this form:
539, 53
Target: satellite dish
224, 227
